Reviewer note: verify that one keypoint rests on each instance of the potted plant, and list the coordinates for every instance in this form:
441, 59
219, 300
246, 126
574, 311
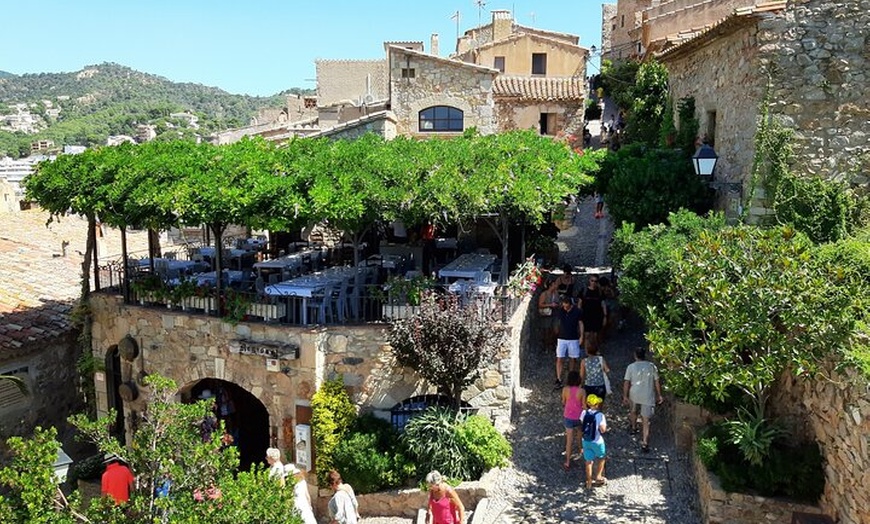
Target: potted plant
524, 280
149, 288
401, 296
236, 306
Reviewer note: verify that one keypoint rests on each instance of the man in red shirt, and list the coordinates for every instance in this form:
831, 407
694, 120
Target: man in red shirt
117, 480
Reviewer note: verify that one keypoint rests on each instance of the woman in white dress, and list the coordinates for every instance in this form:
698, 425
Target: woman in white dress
276, 468
301, 496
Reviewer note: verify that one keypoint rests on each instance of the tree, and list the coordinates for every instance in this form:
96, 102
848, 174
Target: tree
447, 343
649, 101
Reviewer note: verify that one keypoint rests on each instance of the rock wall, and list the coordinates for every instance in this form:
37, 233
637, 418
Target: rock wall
834, 409
721, 507
439, 82
819, 54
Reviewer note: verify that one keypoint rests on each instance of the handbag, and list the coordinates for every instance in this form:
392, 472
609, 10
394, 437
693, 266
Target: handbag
607, 387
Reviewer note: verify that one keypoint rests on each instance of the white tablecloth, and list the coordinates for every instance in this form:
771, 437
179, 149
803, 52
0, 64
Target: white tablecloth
165, 264
467, 266
210, 278
291, 261
469, 286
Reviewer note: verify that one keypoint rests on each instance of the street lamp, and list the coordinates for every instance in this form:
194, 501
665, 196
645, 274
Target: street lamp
61, 465
704, 161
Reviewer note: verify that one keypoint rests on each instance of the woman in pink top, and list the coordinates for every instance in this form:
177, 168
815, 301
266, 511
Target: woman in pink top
573, 398
444, 504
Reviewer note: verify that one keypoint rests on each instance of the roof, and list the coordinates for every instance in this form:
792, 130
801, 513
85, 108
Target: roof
684, 42
361, 121
523, 28
534, 36
538, 88
449, 61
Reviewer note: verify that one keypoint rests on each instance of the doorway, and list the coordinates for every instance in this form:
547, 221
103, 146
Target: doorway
113, 383
243, 415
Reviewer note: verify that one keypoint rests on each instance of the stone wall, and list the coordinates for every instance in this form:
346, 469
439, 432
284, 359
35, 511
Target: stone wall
721, 507
628, 18
188, 348
347, 80
834, 409
512, 114
382, 123
819, 55
439, 81
670, 18
51, 379
723, 77
563, 60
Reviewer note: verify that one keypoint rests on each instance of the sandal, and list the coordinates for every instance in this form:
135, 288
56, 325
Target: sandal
600, 482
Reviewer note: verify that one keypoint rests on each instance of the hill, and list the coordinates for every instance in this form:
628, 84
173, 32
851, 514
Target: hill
111, 99
5, 74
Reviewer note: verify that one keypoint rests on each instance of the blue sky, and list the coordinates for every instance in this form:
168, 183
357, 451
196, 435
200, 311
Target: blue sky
256, 47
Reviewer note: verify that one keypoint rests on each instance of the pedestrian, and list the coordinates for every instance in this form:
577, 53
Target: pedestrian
570, 335
611, 302
117, 480
548, 304
594, 450
276, 467
343, 507
301, 495
444, 504
599, 205
594, 313
641, 391
593, 373
573, 399
566, 282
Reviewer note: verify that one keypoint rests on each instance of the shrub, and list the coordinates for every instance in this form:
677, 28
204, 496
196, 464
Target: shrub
87, 469
367, 466
331, 416
433, 441
488, 448
707, 449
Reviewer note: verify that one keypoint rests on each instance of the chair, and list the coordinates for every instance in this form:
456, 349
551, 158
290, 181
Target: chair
339, 300
260, 285
274, 278
321, 304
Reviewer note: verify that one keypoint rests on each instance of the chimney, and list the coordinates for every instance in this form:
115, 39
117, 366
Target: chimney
433, 44
502, 24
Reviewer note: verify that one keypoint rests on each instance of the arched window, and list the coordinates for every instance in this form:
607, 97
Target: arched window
407, 409
440, 119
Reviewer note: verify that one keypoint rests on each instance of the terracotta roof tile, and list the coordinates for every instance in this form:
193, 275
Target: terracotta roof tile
538, 88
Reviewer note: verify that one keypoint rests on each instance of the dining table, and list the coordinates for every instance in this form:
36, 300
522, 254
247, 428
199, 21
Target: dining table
469, 265
167, 266
290, 262
210, 278
306, 286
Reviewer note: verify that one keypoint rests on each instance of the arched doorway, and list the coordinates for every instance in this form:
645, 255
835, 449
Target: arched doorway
113, 383
243, 415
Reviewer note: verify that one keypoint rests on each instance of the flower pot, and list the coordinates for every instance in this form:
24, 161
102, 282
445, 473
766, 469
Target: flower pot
400, 311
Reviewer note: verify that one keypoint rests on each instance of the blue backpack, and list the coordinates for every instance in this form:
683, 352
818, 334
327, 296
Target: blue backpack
590, 427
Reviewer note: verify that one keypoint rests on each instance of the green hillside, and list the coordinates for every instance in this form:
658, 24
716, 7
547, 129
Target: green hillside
111, 99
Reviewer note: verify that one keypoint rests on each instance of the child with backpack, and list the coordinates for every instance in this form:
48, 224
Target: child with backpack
594, 451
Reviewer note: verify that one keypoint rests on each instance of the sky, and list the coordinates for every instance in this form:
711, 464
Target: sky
255, 47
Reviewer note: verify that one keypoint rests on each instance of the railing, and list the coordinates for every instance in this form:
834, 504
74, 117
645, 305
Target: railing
241, 302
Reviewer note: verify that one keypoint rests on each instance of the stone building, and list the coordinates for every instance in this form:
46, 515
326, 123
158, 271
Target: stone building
815, 54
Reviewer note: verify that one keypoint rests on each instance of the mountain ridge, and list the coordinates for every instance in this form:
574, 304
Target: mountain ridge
86, 106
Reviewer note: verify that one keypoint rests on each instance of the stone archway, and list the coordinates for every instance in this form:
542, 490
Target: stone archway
244, 416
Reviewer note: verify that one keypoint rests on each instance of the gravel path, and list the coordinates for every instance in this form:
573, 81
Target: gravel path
654, 487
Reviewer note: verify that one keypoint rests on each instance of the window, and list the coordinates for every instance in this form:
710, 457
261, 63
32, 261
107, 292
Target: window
498, 63
408, 72
548, 124
407, 409
539, 63
441, 118
622, 22
710, 136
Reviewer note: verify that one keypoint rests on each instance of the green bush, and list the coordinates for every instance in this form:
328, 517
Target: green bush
371, 457
332, 414
707, 449
643, 185
432, 439
488, 448
793, 471
87, 469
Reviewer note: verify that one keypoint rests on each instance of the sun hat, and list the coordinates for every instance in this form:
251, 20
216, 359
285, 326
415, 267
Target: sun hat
593, 400
291, 469
111, 457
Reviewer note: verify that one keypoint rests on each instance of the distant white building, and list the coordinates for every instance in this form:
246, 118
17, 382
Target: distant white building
12, 172
73, 150
115, 140
191, 119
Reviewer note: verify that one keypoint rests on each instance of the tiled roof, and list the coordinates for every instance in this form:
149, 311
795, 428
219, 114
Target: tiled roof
538, 88
38, 286
682, 42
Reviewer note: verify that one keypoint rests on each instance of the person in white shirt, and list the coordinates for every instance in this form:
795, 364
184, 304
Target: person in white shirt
343, 507
641, 391
276, 468
301, 495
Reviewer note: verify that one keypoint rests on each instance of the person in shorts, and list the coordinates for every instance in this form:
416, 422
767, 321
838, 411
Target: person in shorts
573, 399
570, 335
594, 426
641, 391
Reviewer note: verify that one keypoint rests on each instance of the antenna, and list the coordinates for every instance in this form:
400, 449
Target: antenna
456, 16
480, 5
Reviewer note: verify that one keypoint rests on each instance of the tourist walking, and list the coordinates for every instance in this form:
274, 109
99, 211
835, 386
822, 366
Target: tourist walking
573, 399
301, 495
594, 313
593, 372
548, 320
343, 507
276, 468
444, 504
641, 391
117, 480
570, 335
594, 450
